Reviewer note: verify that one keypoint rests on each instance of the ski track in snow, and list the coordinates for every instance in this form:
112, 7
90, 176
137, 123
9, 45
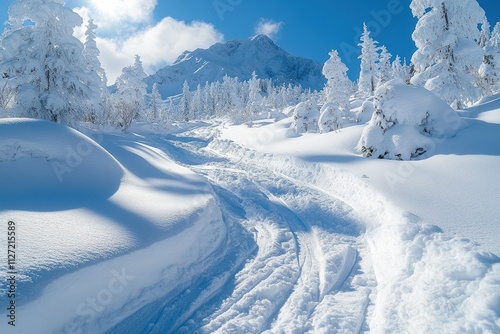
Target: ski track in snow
309, 252
330, 255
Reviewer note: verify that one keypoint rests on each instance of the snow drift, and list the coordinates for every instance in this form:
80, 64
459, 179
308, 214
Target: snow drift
66, 162
401, 129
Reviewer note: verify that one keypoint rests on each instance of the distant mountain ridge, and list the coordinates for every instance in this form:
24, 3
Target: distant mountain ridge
238, 58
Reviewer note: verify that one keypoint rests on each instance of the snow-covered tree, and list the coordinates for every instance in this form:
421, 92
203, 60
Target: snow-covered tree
490, 68
400, 130
185, 104
338, 86
400, 70
128, 101
197, 107
97, 80
331, 118
44, 62
155, 108
306, 117
384, 68
448, 56
254, 102
369, 64
495, 36
484, 36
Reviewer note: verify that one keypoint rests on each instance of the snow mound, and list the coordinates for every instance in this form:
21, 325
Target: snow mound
404, 129
66, 162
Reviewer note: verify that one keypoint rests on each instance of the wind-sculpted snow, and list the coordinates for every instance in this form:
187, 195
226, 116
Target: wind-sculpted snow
50, 161
87, 261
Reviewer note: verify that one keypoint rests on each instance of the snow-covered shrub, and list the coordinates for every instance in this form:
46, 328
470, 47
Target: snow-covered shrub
331, 118
405, 120
306, 117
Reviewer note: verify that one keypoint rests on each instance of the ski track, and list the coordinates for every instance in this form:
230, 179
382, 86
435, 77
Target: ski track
308, 243
312, 249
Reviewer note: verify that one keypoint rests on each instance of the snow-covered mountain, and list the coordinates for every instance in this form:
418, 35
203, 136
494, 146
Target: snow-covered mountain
238, 58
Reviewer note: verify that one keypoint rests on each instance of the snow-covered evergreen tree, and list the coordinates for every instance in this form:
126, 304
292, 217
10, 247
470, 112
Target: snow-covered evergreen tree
97, 80
495, 36
448, 56
367, 82
254, 102
490, 68
185, 103
400, 70
484, 36
128, 101
384, 68
44, 62
155, 108
338, 86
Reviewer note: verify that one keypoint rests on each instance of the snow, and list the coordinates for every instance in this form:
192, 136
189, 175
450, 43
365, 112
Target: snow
216, 228
462, 167
134, 210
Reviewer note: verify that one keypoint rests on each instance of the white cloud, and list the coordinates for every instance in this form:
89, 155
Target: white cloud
157, 45
119, 13
269, 28
126, 29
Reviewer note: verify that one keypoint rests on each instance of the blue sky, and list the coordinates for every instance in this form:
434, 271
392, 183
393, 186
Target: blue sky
159, 30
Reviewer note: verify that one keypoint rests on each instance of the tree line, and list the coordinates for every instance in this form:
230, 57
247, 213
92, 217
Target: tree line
47, 73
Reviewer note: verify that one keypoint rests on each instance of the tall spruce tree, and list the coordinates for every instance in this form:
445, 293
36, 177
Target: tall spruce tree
448, 54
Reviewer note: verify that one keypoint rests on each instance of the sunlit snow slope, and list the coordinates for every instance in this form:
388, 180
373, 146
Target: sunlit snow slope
217, 229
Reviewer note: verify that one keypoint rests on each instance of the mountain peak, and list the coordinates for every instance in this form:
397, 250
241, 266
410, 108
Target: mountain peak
238, 58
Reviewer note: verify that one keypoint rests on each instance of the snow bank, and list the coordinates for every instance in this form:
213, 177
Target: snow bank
406, 120
94, 299
42, 159
88, 266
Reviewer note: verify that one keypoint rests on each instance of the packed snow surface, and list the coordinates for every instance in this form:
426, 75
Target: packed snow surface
235, 229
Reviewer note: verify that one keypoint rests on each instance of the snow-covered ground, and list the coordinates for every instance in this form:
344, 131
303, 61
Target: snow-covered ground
457, 188
231, 229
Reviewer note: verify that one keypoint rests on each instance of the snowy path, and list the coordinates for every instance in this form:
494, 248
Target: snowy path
330, 255
308, 258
